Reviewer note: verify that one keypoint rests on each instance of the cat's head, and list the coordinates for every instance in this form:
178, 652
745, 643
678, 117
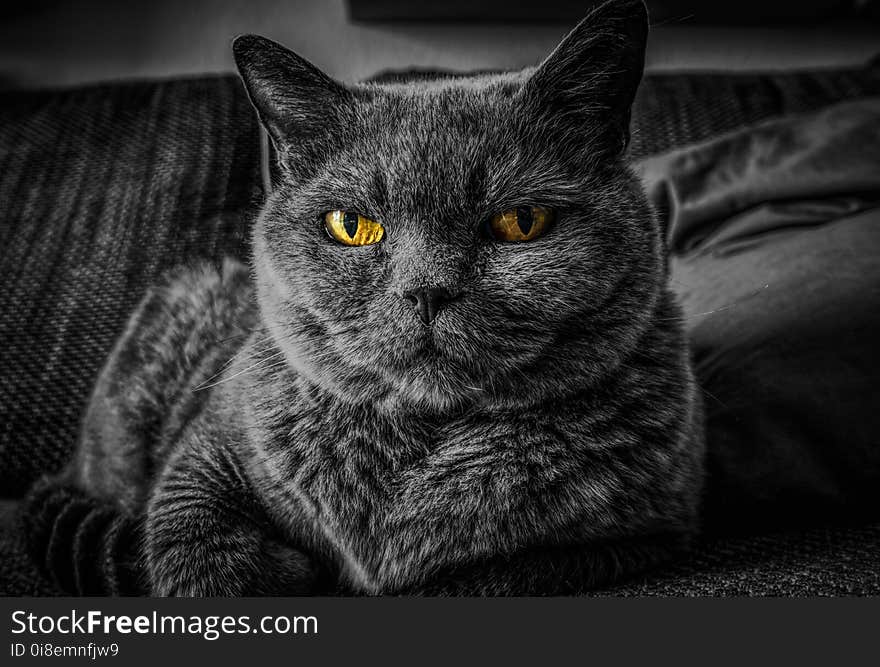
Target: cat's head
472, 239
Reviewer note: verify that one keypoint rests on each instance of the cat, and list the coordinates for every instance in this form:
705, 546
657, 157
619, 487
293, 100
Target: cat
453, 366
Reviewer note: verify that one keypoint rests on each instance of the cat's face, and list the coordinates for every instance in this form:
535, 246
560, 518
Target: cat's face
441, 312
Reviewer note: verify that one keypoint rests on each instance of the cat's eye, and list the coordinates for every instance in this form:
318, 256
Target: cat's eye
350, 228
523, 223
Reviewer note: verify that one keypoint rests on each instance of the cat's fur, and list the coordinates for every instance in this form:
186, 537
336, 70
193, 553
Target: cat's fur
542, 435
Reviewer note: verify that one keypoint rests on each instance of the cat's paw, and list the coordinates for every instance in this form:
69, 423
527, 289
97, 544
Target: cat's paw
193, 578
275, 569
285, 570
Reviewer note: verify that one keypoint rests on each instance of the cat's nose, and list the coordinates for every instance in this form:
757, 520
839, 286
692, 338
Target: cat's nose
428, 301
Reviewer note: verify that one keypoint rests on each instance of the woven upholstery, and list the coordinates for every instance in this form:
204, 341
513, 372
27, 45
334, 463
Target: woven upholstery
820, 561
673, 109
103, 188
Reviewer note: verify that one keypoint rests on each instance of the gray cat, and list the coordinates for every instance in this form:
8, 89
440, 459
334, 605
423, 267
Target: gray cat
453, 367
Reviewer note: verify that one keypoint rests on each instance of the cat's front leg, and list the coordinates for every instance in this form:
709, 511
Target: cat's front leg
556, 570
206, 535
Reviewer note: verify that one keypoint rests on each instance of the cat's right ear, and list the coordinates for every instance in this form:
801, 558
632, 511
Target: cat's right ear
299, 105
586, 87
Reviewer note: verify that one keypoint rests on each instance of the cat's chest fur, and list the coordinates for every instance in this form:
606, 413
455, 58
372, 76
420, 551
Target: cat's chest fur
395, 498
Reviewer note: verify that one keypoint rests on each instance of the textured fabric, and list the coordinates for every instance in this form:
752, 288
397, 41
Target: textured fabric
676, 109
103, 188
819, 561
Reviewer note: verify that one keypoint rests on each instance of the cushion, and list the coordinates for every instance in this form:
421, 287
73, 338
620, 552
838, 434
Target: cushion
774, 234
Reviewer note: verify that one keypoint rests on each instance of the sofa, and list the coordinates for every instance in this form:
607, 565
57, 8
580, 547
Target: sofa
105, 187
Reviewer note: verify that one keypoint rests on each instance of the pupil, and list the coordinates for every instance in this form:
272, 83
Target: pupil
524, 220
350, 223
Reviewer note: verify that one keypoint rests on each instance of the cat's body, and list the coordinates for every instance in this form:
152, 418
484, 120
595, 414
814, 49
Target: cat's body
380, 504
540, 432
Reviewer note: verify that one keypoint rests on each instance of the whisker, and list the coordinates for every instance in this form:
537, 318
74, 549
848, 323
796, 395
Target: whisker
673, 19
252, 331
711, 395
651, 358
737, 302
262, 348
232, 377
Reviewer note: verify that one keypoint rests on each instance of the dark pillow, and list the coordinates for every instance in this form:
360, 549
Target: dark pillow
774, 234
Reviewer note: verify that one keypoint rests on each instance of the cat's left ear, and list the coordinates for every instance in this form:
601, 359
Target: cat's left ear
300, 106
588, 84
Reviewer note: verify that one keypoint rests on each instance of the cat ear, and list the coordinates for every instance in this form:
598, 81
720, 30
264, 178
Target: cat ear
297, 103
590, 80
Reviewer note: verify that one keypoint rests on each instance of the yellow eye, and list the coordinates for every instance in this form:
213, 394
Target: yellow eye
523, 223
350, 228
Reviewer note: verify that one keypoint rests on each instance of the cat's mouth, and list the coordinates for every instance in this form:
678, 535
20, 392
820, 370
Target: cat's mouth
426, 350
